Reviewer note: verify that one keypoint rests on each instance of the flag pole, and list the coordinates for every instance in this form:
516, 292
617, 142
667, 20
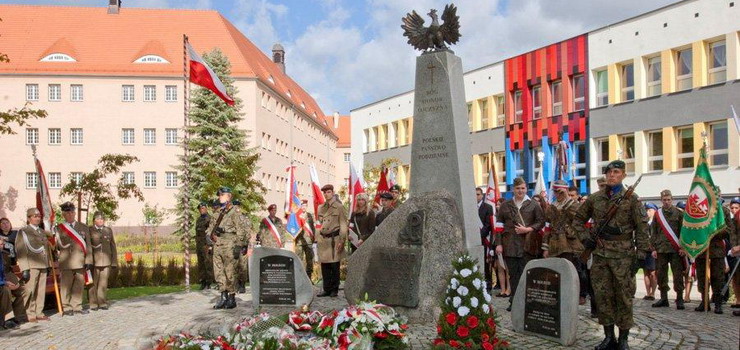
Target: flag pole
707, 272
186, 175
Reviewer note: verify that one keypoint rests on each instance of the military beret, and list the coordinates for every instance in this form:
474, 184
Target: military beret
98, 215
68, 206
271, 207
216, 203
203, 204
681, 205
396, 188
666, 193
327, 188
735, 200
386, 195
32, 211
222, 190
651, 206
304, 201
615, 164
236, 202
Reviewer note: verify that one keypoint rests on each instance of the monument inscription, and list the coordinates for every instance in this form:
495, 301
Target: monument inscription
393, 276
542, 302
277, 280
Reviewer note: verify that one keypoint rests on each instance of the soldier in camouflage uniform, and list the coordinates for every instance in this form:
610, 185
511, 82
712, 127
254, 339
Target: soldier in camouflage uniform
716, 265
664, 251
611, 271
203, 247
304, 241
242, 267
231, 234
266, 236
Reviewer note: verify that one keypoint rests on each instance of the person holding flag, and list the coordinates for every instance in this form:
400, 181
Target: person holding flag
666, 229
304, 241
33, 260
75, 260
271, 229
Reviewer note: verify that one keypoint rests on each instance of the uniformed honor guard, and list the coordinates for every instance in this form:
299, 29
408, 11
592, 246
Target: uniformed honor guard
331, 240
75, 262
231, 234
716, 265
271, 229
203, 247
665, 241
105, 258
305, 239
386, 205
242, 266
613, 255
396, 193
32, 246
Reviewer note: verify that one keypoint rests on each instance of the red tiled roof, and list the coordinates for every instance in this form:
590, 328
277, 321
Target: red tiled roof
343, 131
107, 44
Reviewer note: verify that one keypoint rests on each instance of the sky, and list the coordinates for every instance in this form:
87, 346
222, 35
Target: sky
348, 53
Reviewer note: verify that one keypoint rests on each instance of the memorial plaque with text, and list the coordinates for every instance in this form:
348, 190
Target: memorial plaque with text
542, 302
393, 276
277, 280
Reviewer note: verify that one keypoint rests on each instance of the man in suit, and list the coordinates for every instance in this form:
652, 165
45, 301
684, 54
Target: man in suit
105, 257
485, 212
75, 259
31, 251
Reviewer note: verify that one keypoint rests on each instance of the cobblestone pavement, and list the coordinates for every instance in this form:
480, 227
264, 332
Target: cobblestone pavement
136, 323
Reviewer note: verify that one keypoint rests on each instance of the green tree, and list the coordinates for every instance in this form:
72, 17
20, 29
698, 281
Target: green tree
217, 148
97, 193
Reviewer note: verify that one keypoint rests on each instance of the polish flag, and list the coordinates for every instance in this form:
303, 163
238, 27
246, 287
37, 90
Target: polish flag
201, 74
383, 185
43, 199
318, 197
356, 186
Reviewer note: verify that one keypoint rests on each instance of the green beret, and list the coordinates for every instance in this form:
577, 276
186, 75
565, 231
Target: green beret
203, 204
222, 190
615, 164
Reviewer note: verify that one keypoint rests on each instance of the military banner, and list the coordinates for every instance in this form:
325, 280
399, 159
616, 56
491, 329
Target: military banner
703, 216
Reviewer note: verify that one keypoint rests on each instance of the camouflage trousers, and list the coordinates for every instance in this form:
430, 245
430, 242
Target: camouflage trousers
205, 263
614, 285
224, 265
305, 252
716, 276
677, 268
242, 270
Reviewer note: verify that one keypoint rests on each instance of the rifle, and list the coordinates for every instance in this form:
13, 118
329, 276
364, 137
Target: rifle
610, 214
223, 212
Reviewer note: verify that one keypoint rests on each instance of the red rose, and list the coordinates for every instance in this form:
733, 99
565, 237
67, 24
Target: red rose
451, 318
463, 331
404, 326
487, 346
495, 341
438, 342
504, 343
468, 345
381, 335
484, 337
439, 329
472, 322
490, 323
454, 343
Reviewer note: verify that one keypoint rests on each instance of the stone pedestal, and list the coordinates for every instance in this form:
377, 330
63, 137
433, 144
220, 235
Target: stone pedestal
277, 277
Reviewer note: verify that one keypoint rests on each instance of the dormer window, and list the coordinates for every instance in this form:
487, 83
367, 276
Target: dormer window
58, 57
151, 59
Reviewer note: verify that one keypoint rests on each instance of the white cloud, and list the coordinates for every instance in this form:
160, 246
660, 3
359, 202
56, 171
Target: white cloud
256, 19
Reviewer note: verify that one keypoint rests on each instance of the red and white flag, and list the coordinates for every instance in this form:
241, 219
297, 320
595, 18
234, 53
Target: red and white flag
356, 186
201, 74
43, 200
318, 197
540, 187
383, 185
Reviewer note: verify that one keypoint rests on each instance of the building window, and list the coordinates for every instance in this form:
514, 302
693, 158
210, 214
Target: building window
75, 177
32, 136
519, 163
628, 152
128, 93
535, 161
151, 59
55, 92
150, 93
717, 62
170, 179
150, 179
655, 151
685, 154
170, 93
470, 116
55, 136
75, 136
170, 136
718, 144
536, 103
579, 149
557, 98
483, 103
32, 92
654, 77
150, 136
628, 82
347, 157
75, 93
579, 93
58, 57
55, 180
683, 70
501, 112
127, 136
518, 112
602, 88
128, 178
32, 180
602, 154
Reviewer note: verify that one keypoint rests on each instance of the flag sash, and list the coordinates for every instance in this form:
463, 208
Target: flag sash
88, 277
273, 231
668, 231
74, 235
307, 228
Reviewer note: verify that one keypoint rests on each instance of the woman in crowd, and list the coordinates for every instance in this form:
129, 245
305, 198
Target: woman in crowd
362, 221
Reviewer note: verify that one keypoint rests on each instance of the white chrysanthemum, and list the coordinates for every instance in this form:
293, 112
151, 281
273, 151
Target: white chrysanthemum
477, 283
447, 301
475, 268
459, 259
462, 290
465, 272
456, 301
454, 283
487, 296
474, 302
463, 311
486, 309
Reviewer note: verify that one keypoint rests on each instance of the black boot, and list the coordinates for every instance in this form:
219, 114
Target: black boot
221, 301
230, 301
609, 342
623, 337
718, 308
700, 308
663, 302
242, 288
679, 302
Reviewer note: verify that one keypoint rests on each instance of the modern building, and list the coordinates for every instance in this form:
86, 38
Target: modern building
111, 80
643, 90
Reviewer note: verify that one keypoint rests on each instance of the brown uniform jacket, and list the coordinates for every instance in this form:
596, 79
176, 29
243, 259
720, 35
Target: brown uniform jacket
562, 238
103, 246
363, 224
31, 248
71, 255
658, 239
514, 244
333, 223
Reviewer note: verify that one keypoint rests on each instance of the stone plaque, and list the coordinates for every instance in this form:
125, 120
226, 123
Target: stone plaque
414, 229
393, 276
542, 302
277, 280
